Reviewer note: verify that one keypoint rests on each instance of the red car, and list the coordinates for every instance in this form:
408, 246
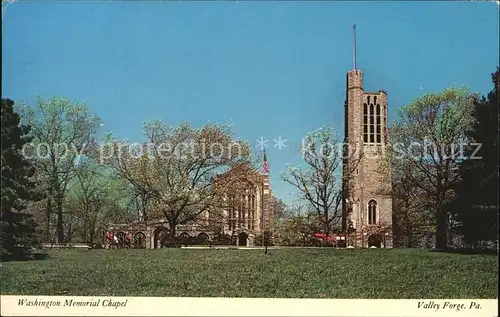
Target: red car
331, 239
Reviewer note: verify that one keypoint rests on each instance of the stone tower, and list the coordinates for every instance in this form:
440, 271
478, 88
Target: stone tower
367, 205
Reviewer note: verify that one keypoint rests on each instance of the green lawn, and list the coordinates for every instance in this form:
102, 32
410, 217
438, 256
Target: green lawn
314, 273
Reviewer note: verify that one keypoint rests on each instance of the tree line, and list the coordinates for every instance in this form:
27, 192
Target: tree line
56, 150
60, 184
442, 158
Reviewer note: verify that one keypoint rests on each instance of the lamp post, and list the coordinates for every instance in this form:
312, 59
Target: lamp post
348, 224
262, 218
364, 235
385, 235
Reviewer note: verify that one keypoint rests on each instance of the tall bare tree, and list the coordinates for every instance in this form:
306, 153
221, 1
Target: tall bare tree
319, 179
62, 130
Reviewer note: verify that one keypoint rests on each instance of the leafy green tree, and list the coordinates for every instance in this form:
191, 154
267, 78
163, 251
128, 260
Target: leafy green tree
276, 210
428, 138
95, 198
18, 187
62, 131
296, 227
264, 239
413, 219
477, 193
277, 207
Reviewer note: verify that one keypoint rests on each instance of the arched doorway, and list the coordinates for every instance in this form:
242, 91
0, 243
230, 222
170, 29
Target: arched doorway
242, 239
160, 235
121, 239
375, 240
203, 238
185, 238
139, 240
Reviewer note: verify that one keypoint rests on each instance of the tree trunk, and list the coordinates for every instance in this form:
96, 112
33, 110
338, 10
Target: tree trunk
48, 213
86, 220
409, 236
172, 230
144, 204
326, 232
85, 231
441, 228
69, 234
92, 231
60, 220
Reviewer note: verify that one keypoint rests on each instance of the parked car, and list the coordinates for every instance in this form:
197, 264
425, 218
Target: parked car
332, 240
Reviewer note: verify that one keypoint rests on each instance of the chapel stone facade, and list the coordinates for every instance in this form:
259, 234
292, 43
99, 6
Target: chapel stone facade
246, 216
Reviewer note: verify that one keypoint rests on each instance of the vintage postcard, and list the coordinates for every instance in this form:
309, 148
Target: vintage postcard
249, 158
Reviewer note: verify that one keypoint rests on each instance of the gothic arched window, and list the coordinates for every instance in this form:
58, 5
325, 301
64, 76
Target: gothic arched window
372, 212
251, 207
385, 124
379, 126
372, 123
365, 123
246, 206
232, 212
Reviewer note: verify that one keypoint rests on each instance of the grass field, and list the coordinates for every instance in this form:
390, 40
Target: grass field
305, 273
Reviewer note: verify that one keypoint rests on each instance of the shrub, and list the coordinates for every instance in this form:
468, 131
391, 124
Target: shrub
223, 239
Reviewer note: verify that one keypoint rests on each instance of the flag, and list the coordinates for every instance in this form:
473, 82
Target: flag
266, 166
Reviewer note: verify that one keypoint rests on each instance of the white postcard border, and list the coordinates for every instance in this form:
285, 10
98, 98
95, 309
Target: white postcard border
13, 305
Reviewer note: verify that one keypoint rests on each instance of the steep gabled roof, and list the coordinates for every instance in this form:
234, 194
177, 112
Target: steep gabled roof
240, 172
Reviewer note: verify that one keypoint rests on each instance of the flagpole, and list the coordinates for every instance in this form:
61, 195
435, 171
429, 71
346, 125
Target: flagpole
262, 200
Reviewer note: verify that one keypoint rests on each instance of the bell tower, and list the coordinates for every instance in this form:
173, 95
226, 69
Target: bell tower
367, 205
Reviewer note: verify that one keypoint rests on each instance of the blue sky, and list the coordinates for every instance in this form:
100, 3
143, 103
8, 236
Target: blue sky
270, 68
